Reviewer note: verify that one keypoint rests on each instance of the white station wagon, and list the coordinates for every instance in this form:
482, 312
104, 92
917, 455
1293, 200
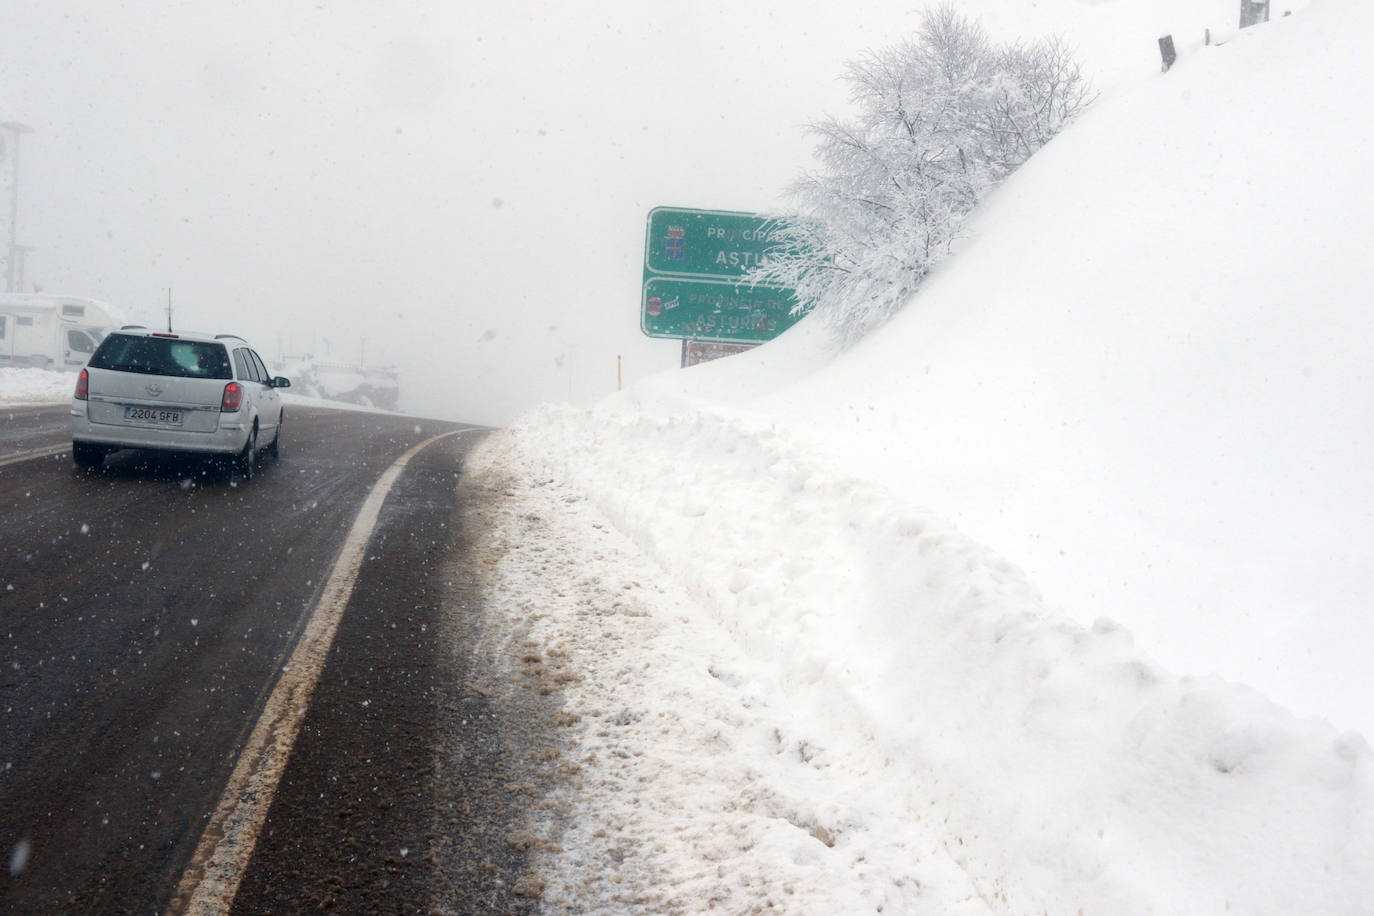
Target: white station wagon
194, 393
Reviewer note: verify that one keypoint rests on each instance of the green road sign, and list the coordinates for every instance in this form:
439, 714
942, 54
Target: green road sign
705, 243
720, 311
694, 261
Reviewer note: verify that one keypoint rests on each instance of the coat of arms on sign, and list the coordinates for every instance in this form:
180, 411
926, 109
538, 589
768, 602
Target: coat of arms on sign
675, 244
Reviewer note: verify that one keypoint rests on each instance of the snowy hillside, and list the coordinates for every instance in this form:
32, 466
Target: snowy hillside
960, 620
1146, 378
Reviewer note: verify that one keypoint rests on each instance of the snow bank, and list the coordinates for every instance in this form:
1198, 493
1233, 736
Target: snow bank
1144, 380
939, 706
44, 386
35, 386
1145, 376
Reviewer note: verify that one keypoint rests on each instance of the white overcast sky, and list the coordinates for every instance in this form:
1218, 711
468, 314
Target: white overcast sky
463, 186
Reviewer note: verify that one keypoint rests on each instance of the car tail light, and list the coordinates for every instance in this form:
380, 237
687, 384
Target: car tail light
233, 398
83, 384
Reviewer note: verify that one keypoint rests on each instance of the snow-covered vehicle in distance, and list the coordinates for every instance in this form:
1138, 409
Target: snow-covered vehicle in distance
52, 332
369, 386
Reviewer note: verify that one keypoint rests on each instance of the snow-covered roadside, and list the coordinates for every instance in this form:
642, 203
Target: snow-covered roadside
39, 387
800, 694
689, 789
35, 386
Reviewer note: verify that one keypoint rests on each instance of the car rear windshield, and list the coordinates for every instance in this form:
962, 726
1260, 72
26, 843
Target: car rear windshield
162, 356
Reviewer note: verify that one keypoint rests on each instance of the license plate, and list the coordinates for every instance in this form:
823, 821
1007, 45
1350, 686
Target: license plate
159, 416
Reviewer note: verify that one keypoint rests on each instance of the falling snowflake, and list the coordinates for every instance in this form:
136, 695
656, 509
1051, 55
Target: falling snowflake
19, 858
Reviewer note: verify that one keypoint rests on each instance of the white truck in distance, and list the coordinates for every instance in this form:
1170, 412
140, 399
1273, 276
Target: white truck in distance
52, 332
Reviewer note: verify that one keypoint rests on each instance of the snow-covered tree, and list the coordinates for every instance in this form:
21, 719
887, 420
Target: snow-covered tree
942, 118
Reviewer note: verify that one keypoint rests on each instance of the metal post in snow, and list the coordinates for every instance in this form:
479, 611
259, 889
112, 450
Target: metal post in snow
11, 274
1253, 12
1166, 52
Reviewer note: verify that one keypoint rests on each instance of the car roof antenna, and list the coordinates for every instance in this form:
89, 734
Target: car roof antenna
169, 310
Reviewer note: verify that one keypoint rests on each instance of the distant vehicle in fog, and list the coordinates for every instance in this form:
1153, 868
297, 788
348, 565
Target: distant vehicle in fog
52, 332
352, 383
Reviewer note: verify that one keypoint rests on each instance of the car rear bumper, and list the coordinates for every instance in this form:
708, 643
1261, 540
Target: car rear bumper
228, 438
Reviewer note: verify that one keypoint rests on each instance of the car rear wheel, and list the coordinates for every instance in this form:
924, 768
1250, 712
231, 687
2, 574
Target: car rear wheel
248, 458
275, 448
87, 456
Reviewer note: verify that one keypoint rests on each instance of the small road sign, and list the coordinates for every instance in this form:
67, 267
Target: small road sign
720, 311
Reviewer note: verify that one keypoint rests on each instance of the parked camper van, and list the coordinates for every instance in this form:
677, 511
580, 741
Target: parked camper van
52, 332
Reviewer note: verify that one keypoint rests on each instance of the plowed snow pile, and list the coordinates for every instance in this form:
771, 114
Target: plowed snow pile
856, 627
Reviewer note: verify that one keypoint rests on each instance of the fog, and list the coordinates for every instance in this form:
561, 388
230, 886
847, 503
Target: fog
457, 189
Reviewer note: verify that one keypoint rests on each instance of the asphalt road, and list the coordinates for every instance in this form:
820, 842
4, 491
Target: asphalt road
145, 612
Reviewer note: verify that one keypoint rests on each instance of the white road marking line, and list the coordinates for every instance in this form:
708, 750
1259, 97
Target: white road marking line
212, 878
48, 452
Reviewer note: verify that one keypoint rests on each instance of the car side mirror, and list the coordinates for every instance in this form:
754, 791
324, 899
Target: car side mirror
281, 382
